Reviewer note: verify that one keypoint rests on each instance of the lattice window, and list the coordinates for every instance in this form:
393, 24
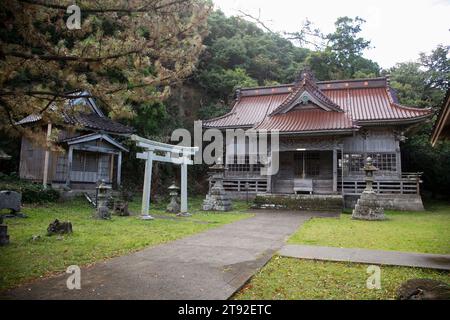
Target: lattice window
354, 161
384, 161
244, 166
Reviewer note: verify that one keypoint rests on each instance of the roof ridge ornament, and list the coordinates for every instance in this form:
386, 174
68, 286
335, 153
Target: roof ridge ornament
306, 74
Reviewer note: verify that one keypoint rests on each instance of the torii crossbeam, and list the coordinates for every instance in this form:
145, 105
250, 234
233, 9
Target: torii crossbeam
171, 154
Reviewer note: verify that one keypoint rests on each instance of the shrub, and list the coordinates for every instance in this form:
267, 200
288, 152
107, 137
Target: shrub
31, 192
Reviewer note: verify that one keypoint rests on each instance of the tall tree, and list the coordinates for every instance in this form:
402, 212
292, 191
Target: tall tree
125, 52
342, 57
423, 84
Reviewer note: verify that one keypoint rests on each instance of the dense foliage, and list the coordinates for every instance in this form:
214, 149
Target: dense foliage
31, 192
423, 84
124, 52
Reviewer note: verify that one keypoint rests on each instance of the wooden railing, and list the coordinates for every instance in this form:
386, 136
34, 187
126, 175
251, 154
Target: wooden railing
252, 185
408, 184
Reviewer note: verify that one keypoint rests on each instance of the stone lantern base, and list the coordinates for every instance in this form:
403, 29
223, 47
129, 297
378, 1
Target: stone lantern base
217, 200
367, 208
173, 206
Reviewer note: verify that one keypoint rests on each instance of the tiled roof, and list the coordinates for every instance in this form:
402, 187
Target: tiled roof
306, 84
95, 121
308, 121
363, 100
369, 104
247, 111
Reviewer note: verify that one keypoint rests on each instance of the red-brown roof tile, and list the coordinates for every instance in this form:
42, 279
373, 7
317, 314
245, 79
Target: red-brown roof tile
308, 121
363, 100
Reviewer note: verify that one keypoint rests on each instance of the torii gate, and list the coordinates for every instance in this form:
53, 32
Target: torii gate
172, 154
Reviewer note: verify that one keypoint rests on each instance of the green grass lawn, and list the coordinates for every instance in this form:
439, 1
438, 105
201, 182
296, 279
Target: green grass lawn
93, 240
289, 278
425, 232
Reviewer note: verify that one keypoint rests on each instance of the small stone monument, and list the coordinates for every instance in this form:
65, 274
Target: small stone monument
103, 193
367, 207
174, 205
4, 237
217, 199
57, 227
11, 200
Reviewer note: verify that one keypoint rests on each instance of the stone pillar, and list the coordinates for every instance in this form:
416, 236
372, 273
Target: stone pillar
147, 187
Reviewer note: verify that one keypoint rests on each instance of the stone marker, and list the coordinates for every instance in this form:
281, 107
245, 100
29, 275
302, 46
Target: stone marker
174, 205
217, 199
4, 237
423, 289
13, 201
367, 206
121, 208
57, 227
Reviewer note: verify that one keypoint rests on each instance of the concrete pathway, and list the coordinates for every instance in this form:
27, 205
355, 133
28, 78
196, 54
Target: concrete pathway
420, 260
210, 265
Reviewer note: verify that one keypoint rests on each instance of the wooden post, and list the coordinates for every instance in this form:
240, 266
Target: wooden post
111, 168
119, 168
69, 165
46, 158
398, 163
184, 206
335, 169
147, 187
342, 170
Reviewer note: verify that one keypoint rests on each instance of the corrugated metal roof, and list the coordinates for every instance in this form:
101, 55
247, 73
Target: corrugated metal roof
362, 100
308, 120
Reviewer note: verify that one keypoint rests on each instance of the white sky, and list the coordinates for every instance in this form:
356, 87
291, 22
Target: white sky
398, 29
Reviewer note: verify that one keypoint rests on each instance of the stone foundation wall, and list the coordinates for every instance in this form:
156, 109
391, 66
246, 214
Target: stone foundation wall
399, 202
325, 203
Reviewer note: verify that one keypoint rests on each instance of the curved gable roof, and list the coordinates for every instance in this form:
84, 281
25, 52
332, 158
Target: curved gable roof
365, 101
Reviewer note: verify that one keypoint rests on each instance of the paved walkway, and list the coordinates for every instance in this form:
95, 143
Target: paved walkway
433, 261
210, 265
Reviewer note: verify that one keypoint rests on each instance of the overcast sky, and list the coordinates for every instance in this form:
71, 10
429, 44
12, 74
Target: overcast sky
399, 29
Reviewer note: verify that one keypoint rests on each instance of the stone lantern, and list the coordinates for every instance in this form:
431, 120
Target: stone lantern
217, 199
103, 194
174, 205
367, 207
369, 169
